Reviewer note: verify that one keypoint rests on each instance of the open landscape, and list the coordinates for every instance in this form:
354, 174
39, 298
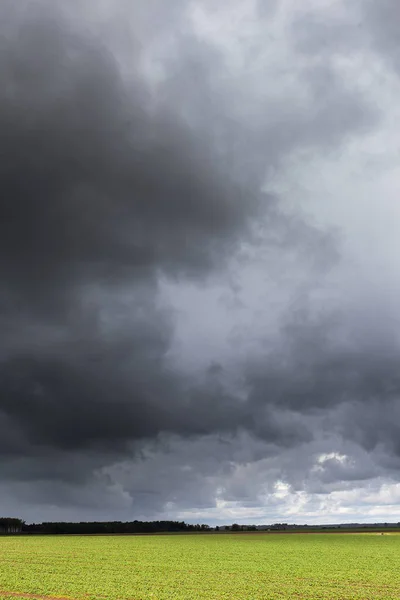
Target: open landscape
199, 300
210, 566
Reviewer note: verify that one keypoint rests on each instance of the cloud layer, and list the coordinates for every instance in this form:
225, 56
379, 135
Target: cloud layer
198, 299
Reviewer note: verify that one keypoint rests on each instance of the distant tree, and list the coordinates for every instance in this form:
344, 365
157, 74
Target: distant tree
11, 525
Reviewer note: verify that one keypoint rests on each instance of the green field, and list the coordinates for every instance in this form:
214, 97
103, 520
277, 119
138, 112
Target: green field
211, 566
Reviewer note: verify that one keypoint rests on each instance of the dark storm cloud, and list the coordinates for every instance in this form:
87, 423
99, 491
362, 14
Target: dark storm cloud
101, 395
103, 188
94, 186
99, 192
340, 371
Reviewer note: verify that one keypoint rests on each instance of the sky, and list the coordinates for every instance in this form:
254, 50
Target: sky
199, 277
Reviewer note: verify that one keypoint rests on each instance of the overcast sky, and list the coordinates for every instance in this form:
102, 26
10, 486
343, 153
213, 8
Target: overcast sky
199, 273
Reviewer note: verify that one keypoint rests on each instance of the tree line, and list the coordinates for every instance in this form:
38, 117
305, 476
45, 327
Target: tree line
12, 525
9, 525
237, 527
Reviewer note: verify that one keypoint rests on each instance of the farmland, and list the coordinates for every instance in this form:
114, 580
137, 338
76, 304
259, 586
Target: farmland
211, 566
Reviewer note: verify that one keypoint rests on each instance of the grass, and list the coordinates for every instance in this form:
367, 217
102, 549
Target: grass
232, 566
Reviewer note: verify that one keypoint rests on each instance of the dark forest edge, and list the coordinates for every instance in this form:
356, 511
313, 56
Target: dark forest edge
12, 526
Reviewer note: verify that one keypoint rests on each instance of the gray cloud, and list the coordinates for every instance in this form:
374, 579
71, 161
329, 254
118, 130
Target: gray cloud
98, 194
107, 191
122, 171
381, 20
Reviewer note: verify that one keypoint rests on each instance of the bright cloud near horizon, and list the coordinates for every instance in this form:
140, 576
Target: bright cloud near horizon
199, 275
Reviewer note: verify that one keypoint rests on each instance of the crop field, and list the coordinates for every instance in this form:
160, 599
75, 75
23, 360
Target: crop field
211, 566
